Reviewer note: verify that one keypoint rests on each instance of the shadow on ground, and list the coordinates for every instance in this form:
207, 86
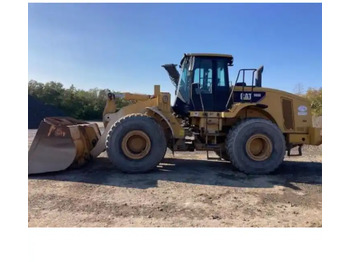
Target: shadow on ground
201, 172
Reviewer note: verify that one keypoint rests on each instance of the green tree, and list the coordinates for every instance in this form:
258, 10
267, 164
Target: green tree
77, 103
314, 95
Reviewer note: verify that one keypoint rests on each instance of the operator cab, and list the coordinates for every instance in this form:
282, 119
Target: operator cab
203, 84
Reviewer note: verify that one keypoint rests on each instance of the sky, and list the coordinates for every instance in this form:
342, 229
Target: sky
122, 46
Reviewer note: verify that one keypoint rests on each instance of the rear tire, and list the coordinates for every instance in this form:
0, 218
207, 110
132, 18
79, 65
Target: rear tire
136, 144
256, 146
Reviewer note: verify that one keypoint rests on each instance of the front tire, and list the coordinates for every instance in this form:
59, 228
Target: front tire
136, 144
256, 146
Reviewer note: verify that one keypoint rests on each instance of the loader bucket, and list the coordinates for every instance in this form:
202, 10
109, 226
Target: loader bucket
61, 142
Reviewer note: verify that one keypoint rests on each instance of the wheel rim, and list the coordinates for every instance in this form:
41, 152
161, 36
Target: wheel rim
136, 144
259, 147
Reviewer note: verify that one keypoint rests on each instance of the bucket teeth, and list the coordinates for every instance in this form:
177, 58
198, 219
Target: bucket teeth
61, 142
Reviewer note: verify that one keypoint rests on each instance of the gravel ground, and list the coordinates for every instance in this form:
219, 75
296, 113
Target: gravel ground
185, 190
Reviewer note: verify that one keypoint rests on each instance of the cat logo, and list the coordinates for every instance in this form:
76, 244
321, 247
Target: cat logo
246, 96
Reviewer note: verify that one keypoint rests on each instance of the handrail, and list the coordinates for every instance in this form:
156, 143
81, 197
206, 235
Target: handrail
243, 84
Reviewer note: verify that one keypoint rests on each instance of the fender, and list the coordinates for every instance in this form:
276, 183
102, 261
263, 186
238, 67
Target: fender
155, 110
255, 110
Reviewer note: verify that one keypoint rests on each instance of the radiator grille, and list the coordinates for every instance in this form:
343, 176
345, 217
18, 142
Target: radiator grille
287, 108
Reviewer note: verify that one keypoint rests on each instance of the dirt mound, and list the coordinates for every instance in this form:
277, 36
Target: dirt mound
37, 111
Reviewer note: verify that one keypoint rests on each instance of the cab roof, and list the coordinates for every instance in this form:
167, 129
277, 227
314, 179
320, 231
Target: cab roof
209, 54
230, 57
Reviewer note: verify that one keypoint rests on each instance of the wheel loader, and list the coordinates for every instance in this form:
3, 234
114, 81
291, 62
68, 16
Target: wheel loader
245, 123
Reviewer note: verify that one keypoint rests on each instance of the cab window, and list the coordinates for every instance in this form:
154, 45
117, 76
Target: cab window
221, 73
203, 75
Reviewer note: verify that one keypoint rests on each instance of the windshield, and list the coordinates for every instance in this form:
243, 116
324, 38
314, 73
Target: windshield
184, 83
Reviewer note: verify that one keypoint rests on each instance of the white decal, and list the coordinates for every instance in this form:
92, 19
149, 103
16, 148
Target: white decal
246, 96
302, 111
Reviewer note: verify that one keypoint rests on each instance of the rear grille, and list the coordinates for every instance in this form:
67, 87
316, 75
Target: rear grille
287, 108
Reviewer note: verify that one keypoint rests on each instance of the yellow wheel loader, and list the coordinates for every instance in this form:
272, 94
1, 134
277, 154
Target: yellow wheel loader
245, 123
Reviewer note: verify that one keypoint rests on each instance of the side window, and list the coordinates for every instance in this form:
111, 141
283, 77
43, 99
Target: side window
184, 81
221, 76
203, 75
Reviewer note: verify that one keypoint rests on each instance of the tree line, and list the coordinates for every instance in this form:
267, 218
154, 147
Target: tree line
77, 103
314, 95
89, 105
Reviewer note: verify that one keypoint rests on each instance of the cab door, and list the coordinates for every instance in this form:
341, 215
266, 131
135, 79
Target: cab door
221, 84
202, 95
210, 77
